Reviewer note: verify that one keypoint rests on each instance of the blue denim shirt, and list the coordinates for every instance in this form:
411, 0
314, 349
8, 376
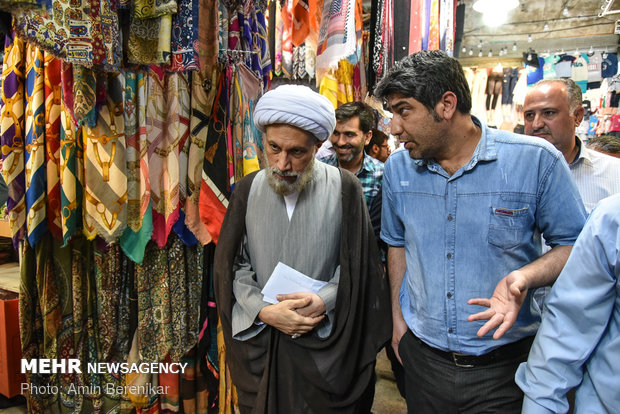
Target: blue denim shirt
463, 233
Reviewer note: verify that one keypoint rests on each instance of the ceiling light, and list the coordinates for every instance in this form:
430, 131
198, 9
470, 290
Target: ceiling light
479, 44
490, 53
546, 27
494, 13
471, 51
514, 47
464, 50
480, 54
565, 11
529, 38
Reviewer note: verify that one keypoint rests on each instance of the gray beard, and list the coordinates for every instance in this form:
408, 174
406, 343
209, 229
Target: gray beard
283, 187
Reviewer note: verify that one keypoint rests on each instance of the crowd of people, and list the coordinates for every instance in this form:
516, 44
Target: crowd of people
435, 252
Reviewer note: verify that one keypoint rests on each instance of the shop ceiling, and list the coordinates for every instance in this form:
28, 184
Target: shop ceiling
554, 26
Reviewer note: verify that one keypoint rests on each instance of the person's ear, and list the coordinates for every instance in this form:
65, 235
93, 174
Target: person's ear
447, 105
579, 114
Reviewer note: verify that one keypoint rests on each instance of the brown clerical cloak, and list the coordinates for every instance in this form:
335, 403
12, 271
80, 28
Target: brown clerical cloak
274, 373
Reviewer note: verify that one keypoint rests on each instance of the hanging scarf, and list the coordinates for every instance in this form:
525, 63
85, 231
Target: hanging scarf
36, 185
214, 191
337, 34
185, 37
105, 167
163, 151
301, 21
208, 28
433, 33
53, 96
12, 135
287, 42
88, 36
446, 26
204, 88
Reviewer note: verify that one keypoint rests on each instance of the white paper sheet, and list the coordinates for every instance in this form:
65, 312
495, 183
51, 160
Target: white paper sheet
285, 279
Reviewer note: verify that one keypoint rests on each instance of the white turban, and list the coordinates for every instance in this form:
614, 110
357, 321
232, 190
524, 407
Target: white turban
299, 106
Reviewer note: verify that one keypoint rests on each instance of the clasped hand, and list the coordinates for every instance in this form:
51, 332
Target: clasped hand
296, 313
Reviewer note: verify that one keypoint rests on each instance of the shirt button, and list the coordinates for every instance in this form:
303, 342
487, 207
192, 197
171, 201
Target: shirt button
450, 330
450, 218
449, 255
449, 295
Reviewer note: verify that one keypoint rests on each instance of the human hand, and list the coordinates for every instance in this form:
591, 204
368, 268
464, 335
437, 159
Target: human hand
399, 328
315, 308
284, 317
503, 306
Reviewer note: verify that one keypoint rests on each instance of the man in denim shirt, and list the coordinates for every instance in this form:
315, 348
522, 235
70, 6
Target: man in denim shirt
463, 207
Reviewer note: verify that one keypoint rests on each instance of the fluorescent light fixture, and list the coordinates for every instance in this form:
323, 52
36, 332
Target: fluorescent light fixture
494, 12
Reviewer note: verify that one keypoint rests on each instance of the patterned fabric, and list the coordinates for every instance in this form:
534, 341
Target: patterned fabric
279, 29
446, 26
150, 31
163, 151
105, 174
337, 85
107, 260
204, 88
301, 22
287, 42
193, 387
12, 135
178, 271
337, 35
208, 34
71, 173
185, 36
84, 95
53, 96
433, 34
250, 89
154, 318
138, 185
134, 243
84, 32
260, 49
214, 191
36, 185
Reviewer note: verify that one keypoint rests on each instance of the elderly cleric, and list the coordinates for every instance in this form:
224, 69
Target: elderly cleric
311, 352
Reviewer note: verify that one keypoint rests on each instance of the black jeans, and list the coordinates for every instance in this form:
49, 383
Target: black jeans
437, 385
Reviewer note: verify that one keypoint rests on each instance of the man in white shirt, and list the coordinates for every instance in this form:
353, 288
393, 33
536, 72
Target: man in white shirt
552, 110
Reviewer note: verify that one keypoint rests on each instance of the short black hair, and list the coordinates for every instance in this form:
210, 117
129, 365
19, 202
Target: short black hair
378, 138
357, 109
426, 76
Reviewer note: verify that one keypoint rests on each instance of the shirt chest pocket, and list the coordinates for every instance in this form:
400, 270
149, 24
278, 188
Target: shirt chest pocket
510, 224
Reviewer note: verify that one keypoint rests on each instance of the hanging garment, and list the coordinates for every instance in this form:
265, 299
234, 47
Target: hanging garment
12, 135
163, 151
279, 34
84, 95
53, 96
251, 91
402, 20
208, 25
154, 318
433, 32
185, 37
204, 88
105, 174
446, 26
150, 31
287, 43
84, 32
36, 184
215, 190
300, 22
134, 112
415, 26
337, 35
